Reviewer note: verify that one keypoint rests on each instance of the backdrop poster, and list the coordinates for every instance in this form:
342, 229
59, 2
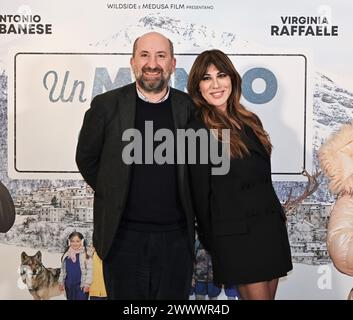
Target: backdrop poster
295, 60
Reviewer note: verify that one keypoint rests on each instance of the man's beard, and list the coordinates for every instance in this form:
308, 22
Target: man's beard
156, 85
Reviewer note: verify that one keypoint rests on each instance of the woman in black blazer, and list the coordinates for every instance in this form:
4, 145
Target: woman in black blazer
240, 219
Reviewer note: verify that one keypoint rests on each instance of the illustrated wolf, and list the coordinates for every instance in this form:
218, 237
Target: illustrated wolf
42, 282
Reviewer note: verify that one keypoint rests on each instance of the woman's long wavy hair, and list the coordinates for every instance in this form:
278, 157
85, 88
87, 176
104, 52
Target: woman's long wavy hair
236, 113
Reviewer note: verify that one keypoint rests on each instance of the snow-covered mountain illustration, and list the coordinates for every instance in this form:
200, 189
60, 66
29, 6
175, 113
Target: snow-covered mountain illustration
184, 35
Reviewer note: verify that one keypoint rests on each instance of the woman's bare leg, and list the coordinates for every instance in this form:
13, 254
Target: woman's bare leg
273, 284
265, 290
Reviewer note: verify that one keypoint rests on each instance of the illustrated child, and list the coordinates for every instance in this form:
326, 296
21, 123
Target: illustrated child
76, 269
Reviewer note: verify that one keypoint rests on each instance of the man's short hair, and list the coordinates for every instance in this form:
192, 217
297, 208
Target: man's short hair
171, 47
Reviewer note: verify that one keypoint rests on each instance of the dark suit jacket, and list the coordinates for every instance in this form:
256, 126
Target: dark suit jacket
240, 217
227, 204
99, 159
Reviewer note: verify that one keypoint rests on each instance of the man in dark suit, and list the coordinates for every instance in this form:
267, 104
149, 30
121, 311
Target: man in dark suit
143, 217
